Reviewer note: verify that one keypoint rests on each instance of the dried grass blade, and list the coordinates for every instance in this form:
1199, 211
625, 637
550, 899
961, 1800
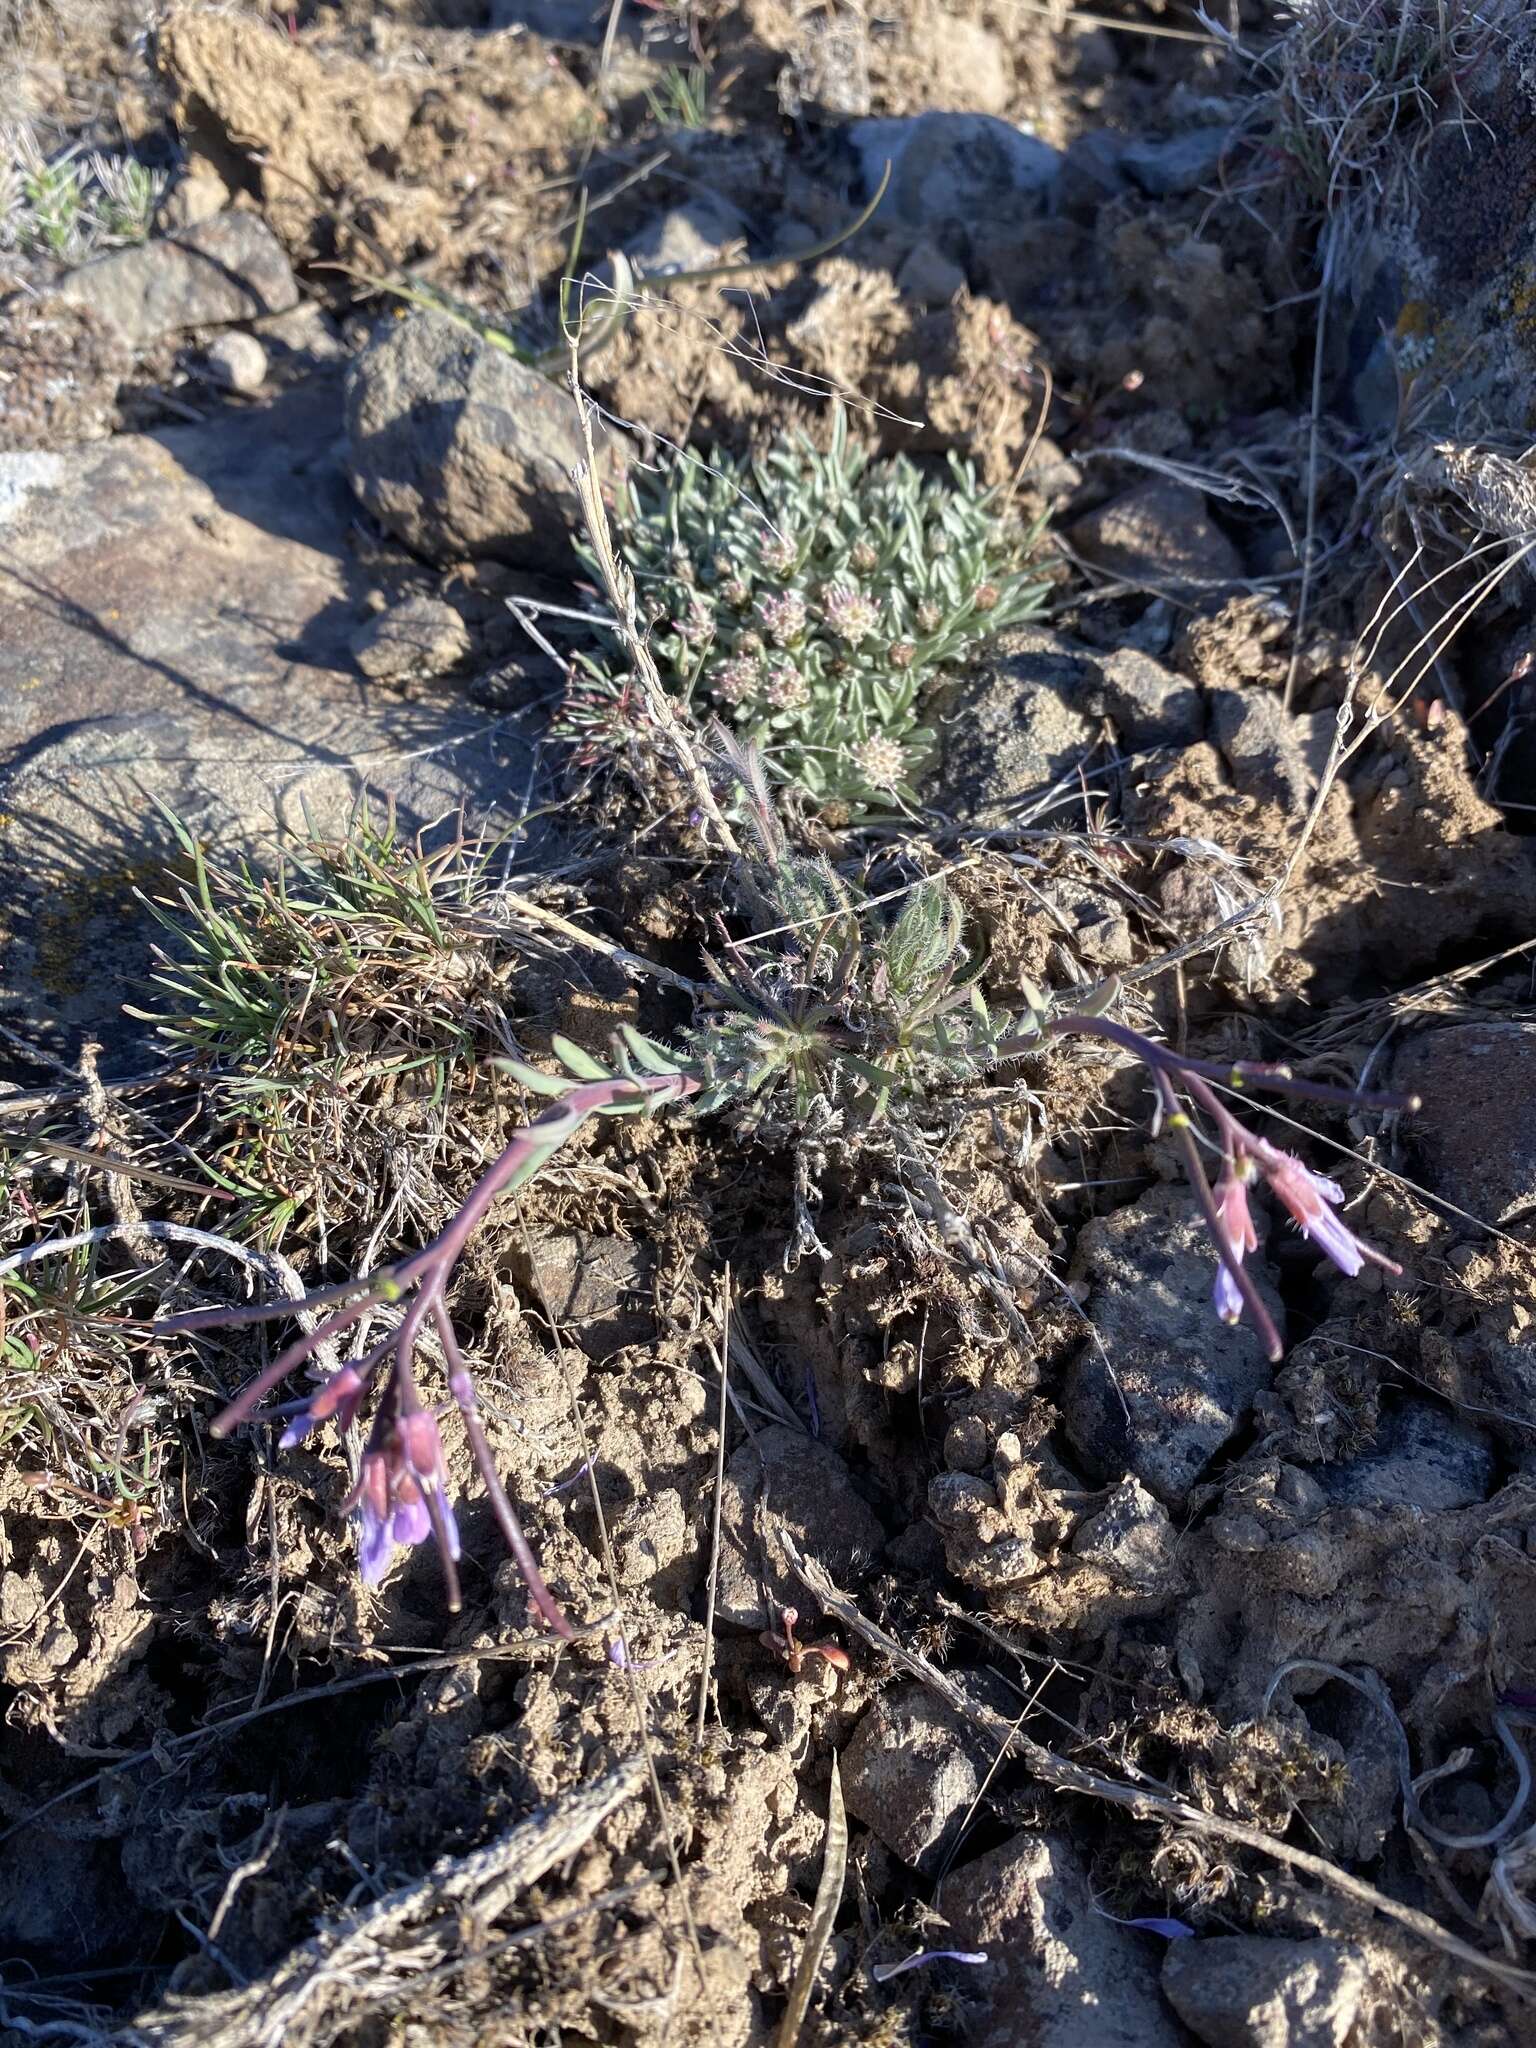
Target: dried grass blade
829, 1896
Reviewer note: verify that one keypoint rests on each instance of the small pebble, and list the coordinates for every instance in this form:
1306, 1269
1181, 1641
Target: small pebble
236, 362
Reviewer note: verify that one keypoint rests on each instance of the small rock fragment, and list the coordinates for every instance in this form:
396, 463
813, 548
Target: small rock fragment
422, 637
1015, 727
827, 76
1165, 1384
1184, 163
1123, 1560
961, 177
911, 1774
1159, 534
236, 362
1476, 1129
1238, 640
969, 69
927, 276
650, 1536
1273, 753
1423, 1458
303, 338
782, 1478
197, 195
597, 1287
690, 237
1149, 705
60, 373
1101, 932
1131, 1538
1257, 1991
460, 450
230, 268
1059, 1974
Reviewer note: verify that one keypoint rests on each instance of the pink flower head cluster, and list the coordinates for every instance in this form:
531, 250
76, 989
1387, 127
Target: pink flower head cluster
1313, 1205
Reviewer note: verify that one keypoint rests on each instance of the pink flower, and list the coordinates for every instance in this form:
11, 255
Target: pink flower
1237, 1234
341, 1396
402, 1470
1310, 1198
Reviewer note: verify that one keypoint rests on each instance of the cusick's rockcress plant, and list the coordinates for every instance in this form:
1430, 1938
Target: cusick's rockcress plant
841, 1019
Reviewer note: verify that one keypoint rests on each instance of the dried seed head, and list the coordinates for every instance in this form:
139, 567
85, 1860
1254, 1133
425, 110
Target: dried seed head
929, 617
901, 653
863, 557
986, 597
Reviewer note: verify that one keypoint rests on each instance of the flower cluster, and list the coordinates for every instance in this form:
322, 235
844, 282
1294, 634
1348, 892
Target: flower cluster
1311, 1201
812, 601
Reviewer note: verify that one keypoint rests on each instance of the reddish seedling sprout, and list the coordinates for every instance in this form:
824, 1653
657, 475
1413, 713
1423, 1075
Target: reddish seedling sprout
796, 1654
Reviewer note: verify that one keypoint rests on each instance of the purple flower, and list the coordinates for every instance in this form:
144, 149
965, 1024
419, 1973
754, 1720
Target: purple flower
340, 1396
402, 1479
1238, 1235
1310, 1199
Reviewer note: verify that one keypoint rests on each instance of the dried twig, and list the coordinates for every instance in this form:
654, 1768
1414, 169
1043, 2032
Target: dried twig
714, 1527
829, 1896
360, 1963
1142, 1798
620, 586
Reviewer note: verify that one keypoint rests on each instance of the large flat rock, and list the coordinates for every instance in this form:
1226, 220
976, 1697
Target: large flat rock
175, 613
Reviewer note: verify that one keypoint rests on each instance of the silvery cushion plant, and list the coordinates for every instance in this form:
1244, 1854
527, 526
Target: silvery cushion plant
69, 207
841, 1026
811, 602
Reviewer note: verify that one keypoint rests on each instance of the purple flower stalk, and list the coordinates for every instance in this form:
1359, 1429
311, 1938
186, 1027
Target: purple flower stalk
401, 1496
1310, 1198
